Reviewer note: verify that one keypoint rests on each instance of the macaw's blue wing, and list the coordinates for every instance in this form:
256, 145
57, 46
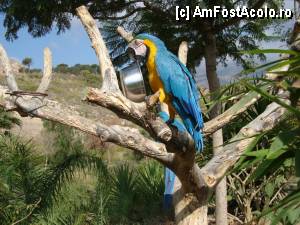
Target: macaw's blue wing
179, 83
187, 72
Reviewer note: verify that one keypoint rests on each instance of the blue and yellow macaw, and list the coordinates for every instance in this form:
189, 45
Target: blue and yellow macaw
177, 88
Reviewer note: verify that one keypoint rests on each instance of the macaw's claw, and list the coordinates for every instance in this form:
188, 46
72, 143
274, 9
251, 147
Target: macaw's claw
170, 122
152, 100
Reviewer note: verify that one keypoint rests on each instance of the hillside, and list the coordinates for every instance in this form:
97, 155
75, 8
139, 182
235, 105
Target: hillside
67, 89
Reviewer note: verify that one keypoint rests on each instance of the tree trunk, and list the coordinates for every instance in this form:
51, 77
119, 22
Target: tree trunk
214, 86
187, 209
221, 189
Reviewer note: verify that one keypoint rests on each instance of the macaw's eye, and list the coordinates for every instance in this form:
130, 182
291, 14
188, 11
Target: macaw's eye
136, 42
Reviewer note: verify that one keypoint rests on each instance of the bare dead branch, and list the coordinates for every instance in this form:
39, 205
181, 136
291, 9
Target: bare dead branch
152, 100
124, 34
4, 61
54, 111
183, 52
47, 73
110, 81
216, 168
241, 106
41, 107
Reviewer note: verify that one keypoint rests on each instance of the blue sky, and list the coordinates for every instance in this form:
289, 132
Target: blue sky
71, 47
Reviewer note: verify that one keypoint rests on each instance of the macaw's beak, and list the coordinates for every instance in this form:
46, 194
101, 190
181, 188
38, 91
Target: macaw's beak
137, 49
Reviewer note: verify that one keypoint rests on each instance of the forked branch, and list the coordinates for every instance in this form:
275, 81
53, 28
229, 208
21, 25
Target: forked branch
110, 81
41, 107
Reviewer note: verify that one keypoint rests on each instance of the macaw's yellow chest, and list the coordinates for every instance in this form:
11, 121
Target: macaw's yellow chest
153, 76
154, 80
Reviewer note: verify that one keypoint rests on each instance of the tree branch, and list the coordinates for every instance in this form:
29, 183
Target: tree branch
41, 107
124, 34
110, 81
47, 74
4, 61
54, 111
120, 17
217, 167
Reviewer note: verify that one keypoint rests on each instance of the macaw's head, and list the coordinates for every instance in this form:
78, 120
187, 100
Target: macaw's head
142, 43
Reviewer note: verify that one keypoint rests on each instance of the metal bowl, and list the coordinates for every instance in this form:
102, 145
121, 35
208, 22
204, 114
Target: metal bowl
132, 82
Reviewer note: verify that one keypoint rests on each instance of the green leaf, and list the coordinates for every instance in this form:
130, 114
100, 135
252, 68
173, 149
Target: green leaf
267, 51
269, 189
293, 215
270, 165
275, 154
252, 70
273, 98
250, 147
297, 162
259, 154
283, 63
284, 139
290, 201
279, 180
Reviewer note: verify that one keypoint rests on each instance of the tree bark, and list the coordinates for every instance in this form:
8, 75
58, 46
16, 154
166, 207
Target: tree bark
214, 86
221, 188
188, 210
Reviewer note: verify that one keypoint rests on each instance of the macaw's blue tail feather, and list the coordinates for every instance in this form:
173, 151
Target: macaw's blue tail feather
169, 188
169, 174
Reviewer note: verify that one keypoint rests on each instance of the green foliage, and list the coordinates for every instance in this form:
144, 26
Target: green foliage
73, 185
137, 196
7, 120
77, 69
20, 170
32, 186
273, 157
27, 62
61, 68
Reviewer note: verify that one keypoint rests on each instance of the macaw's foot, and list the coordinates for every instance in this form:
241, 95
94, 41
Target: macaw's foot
170, 121
152, 100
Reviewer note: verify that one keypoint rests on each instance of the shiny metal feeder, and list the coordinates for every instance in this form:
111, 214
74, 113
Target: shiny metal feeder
132, 82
